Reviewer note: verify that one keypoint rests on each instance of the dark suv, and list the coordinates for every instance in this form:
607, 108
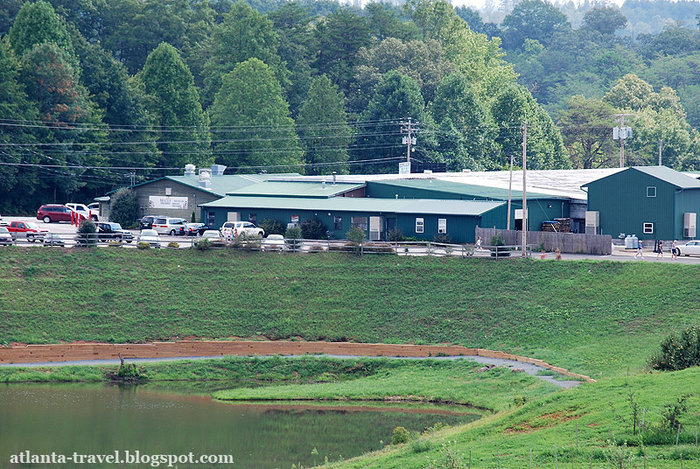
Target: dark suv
53, 213
113, 232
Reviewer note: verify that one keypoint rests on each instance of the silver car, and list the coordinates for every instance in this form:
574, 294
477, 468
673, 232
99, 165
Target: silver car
151, 237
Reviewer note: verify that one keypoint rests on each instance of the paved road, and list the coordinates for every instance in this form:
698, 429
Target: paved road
532, 370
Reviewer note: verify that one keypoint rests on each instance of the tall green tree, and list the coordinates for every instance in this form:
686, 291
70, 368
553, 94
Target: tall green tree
244, 33
396, 98
532, 19
182, 126
323, 128
37, 23
466, 131
251, 109
19, 186
604, 19
585, 126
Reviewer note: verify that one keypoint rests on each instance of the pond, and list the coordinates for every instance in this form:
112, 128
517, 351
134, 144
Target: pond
102, 419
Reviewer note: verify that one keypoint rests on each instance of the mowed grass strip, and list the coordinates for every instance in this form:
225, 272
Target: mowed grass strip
580, 422
437, 381
594, 317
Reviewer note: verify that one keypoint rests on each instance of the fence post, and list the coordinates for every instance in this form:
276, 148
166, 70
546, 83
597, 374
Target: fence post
556, 457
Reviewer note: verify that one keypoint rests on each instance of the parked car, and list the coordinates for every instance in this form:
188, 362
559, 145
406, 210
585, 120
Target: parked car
196, 229
151, 237
3, 222
691, 248
6, 237
169, 226
274, 242
231, 229
214, 237
146, 223
30, 230
53, 239
83, 210
113, 232
54, 213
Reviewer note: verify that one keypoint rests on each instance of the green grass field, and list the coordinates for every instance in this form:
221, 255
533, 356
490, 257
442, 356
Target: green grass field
594, 317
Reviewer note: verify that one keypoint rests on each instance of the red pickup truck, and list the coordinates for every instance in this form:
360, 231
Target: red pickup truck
29, 229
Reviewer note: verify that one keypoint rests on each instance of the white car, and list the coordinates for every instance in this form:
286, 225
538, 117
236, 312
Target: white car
231, 229
82, 210
169, 226
214, 237
94, 210
151, 237
691, 248
274, 242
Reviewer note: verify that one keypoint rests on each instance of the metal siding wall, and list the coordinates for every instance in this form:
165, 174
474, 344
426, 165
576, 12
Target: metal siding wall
686, 201
194, 198
624, 207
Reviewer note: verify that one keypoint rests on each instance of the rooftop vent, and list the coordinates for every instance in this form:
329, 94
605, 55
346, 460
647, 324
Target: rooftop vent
217, 169
189, 169
205, 178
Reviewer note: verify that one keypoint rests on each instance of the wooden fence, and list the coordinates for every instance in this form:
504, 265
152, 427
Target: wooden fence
572, 243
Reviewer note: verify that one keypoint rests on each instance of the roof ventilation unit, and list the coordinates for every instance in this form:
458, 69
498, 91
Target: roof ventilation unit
205, 178
217, 169
189, 169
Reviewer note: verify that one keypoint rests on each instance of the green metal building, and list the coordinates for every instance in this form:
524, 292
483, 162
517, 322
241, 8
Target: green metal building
541, 207
652, 202
419, 218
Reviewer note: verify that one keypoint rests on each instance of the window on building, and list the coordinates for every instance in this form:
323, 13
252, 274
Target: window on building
359, 222
337, 223
253, 218
211, 218
168, 191
442, 225
420, 225
651, 191
648, 228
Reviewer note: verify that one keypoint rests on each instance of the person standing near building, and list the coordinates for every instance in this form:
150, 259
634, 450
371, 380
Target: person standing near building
639, 250
674, 252
477, 245
660, 252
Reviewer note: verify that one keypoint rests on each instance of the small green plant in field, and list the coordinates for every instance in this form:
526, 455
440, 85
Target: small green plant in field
679, 352
143, 245
400, 435
450, 458
618, 456
421, 445
173, 245
672, 413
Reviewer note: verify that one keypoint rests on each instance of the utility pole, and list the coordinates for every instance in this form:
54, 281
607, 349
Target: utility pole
661, 145
409, 128
510, 184
621, 133
525, 189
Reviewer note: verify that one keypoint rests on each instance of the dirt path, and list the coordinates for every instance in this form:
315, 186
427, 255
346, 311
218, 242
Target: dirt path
27, 354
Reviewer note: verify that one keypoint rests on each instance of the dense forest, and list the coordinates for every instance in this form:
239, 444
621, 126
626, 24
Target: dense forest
95, 94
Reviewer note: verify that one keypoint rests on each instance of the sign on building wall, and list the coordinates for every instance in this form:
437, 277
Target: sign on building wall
157, 201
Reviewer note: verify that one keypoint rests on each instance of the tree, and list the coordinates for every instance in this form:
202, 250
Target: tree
385, 22
174, 101
604, 19
476, 23
243, 34
630, 92
322, 126
585, 126
397, 97
18, 185
425, 62
124, 207
340, 36
251, 105
38, 23
532, 19
466, 131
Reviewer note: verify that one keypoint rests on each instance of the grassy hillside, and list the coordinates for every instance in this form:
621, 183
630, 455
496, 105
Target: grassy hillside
597, 318
600, 412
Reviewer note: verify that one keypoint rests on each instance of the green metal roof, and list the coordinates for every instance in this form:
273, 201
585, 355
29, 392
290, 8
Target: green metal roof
220, 185
662, 173
465, 190
296, 189
361, 204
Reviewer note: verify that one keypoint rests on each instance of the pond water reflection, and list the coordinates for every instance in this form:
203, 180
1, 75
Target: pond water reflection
99, 419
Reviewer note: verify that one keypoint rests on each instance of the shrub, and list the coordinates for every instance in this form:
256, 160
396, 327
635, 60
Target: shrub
313, 228
497, 240
292, 237
173, 244
143, 245
421, 445
203, 244
356, 235
272, 226
400, 435
86, 233
247, 242
679, 352
124, 207
442, 238
395, 235
87, 226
